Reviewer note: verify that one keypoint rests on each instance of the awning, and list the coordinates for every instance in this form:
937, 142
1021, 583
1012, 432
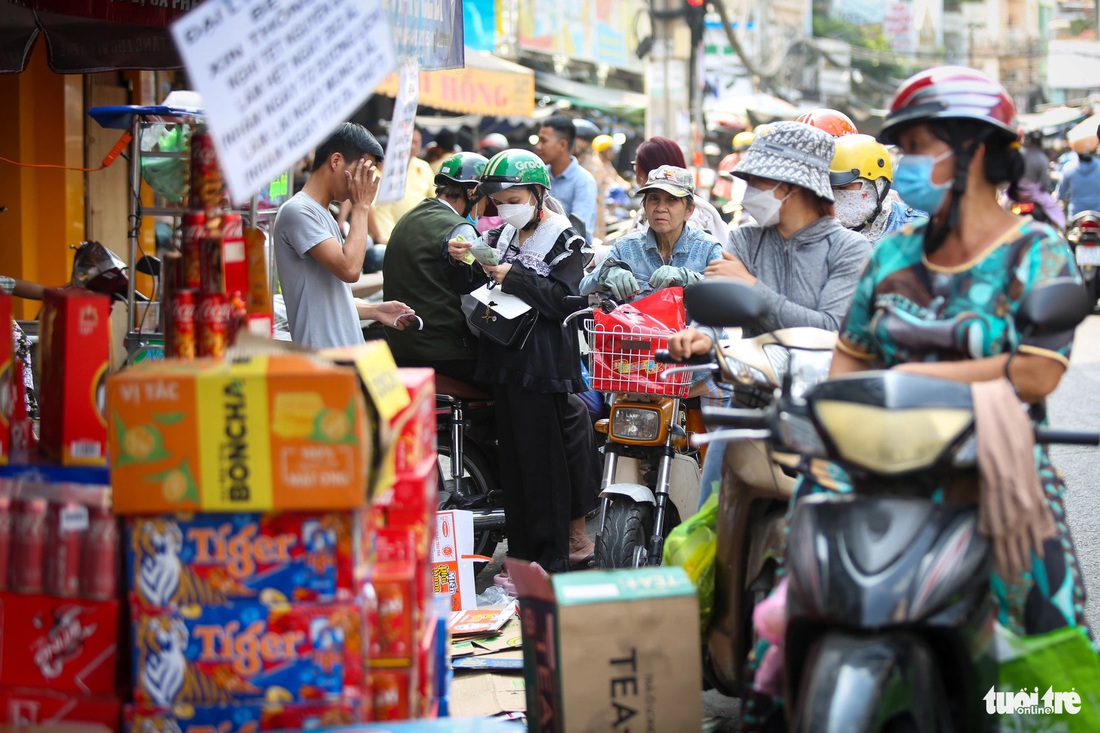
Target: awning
592, 96
88, 37
1051, 121
487, 86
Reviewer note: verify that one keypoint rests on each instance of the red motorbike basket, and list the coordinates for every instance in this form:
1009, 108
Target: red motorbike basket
624, 341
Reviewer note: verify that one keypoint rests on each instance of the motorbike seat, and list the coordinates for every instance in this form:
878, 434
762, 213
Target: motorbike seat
457, 389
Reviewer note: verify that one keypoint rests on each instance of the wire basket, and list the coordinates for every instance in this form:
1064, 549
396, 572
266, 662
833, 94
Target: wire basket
621, 360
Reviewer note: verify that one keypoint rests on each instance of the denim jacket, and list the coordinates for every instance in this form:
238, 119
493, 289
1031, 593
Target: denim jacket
695, 249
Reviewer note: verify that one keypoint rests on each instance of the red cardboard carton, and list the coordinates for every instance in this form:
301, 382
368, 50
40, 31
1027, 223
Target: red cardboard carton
395, 589
243, 718
74, 348
58, 643
413, 429
21, 706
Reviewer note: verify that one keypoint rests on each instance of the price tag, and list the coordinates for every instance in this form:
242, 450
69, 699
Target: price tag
74, 518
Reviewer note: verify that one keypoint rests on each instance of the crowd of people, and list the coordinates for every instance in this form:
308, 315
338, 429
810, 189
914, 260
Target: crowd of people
916, 264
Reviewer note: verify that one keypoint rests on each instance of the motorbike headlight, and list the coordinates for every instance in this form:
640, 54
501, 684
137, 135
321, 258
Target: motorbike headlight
780, 359
807, 369
634, 423
747, 375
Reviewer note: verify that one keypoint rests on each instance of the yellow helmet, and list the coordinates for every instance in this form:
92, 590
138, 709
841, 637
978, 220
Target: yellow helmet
761, 129
742, 140
860, 156
602, 142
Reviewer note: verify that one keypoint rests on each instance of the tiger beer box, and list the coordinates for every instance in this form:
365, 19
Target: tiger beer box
280, 432
613, 650
63, 644
74, 352
246, 652
209, 559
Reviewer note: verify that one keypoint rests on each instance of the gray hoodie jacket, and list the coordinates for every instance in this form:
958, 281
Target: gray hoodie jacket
807, 280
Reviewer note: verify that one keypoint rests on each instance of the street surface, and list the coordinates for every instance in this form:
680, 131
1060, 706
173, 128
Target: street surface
1075, 405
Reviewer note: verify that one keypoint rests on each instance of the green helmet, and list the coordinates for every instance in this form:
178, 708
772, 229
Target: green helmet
513, 167
461, 168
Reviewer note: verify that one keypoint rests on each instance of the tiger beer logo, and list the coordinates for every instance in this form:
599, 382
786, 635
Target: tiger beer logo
235, 471
242, 551
62, 643
247, 649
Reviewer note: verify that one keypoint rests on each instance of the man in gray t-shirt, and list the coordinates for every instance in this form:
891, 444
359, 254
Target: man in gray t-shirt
316, 264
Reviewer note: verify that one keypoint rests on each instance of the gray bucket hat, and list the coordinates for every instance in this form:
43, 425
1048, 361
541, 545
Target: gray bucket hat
791, 152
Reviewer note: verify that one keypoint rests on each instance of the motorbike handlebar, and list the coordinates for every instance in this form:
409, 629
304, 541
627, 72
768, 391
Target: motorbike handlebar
575, 302
1066, 437
661, 356
736, 417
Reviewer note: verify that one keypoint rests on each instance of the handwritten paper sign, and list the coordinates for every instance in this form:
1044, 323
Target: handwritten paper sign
395, 171
277, 76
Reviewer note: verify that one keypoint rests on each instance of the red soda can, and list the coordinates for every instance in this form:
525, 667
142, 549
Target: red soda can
100, 562
207, 187
231, 226
171, 266
5, 539
182, 343
214, 315
211, 264
67, 524
193, 235
28, 546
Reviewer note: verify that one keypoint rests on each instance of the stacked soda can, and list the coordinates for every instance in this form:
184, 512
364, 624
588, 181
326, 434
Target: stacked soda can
210, 288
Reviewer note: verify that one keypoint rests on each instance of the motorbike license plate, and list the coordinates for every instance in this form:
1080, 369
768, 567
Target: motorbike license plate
1088, 255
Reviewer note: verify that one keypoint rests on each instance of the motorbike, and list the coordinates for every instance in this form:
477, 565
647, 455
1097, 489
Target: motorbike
757, 486
650, 477
1083, 236
1029, 199
890, 614
466, 444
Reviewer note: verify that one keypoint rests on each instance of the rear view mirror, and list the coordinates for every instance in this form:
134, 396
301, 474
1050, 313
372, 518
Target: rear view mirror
1053, 306
723, 303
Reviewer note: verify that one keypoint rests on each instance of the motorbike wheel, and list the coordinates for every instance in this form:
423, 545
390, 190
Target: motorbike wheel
478, 490
624, 537
1091, 287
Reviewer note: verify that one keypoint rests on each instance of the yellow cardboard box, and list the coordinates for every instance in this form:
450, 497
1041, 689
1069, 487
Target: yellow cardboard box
270, 433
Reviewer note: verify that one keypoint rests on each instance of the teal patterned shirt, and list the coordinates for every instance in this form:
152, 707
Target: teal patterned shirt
906, 309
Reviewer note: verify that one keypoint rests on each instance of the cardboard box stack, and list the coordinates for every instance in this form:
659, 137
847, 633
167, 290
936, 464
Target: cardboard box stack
262, 585
59, 613
249, 606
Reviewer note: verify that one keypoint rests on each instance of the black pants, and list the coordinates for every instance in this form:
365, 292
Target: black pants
584, 459
535, 474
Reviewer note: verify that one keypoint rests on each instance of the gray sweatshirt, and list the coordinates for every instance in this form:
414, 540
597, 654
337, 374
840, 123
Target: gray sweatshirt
807, 280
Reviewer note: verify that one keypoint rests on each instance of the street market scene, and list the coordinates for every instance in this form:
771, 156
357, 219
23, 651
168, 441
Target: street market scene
487, 365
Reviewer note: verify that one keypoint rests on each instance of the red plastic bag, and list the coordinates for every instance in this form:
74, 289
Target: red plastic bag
624, 341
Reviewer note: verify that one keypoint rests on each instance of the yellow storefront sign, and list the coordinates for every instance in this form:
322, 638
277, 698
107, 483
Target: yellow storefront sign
507, 90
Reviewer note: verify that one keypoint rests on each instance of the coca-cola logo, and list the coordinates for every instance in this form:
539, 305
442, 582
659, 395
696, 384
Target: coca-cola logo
194, 233
215, 310
184, 310
203, 150
64, 641
232, 227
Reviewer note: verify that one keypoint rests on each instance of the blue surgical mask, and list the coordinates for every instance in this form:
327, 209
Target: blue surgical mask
472, 219
913, 182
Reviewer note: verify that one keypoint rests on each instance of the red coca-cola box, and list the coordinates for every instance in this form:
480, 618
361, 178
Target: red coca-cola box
74, 347
21, 706
7, 377
60, 644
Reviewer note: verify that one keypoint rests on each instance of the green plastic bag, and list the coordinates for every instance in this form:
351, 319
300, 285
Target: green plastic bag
692, 545
1056, 669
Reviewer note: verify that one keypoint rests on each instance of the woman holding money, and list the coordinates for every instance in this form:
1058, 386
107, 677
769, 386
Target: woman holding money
535, 256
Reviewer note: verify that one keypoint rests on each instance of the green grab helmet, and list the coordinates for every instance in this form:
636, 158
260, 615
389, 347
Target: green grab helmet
461, 168
513, 167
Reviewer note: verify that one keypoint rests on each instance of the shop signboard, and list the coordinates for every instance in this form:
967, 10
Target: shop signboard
597, 32
277, 76
473, 90
399, 147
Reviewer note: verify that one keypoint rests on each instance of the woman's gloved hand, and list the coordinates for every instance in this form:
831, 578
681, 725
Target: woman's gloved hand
620, 282
669, 277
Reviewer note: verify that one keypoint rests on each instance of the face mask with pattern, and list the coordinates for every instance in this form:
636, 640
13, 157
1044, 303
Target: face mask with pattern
854, 208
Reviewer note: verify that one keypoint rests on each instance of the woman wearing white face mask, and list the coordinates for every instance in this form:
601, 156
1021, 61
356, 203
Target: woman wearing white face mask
804, 262
548, 464
861, 175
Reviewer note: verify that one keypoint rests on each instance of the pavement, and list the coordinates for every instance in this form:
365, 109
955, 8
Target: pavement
1074, 406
